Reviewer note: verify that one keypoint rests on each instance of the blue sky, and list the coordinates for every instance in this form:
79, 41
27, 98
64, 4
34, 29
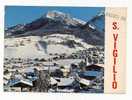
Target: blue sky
25, 14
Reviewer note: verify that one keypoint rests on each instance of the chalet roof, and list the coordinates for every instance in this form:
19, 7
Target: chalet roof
20, 83
91, 73
65, 81
84, 81
95, 66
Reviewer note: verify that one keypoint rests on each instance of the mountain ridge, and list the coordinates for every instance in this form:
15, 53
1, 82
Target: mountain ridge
54, 22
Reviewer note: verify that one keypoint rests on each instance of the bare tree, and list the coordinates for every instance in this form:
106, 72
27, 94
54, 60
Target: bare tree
42, 83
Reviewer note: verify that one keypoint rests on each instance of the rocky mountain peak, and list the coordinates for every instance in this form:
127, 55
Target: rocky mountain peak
56, 15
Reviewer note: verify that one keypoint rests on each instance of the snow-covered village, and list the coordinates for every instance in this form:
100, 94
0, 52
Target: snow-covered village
56, 53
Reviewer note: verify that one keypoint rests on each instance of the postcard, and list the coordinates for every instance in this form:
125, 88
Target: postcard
64, 49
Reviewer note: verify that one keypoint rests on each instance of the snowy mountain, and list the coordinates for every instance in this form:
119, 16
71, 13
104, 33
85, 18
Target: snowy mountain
54, 32
50, 22
97, 22
95, 29
64, 18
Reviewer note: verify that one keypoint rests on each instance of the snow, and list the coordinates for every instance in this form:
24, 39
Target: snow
53, 81
17, 81
18, 76
80, 21
56, 15
65, 62
65, 81
29, 69
84, 81
31, 47
91, 26
101, 13
65, 90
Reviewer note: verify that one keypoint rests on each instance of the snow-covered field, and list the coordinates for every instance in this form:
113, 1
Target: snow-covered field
39, 47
